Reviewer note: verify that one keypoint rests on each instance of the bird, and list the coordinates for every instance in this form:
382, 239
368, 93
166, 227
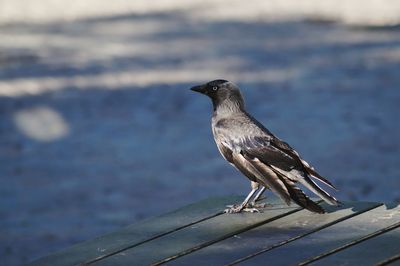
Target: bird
267, 161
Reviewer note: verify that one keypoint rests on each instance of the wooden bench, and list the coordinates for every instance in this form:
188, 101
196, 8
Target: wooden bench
357, 233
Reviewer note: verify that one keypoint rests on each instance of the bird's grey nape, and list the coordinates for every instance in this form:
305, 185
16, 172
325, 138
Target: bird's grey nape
229, 99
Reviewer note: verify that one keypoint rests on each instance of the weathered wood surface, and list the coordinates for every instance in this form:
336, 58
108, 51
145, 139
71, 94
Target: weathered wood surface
373, 251
357, 233
136, 234
273, 234
332, 237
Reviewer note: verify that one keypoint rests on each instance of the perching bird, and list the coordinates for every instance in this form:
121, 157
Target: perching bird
265, 159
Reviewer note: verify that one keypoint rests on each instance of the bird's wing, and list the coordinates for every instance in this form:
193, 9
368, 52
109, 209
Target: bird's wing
273, 168
279, 183
285, 148
286, 165
231, 146
263, 148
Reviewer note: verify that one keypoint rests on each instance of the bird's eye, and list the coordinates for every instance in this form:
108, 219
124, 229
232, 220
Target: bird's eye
215, 88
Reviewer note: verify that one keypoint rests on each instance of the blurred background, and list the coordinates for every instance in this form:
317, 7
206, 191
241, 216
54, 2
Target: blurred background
98, 128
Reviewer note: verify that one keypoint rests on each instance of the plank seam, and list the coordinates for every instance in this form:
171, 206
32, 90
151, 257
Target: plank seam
300, 236
91, 261
351, 243
188, 251
389, 260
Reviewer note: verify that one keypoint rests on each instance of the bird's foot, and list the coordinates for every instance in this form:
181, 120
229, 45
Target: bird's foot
239, 208
233, 208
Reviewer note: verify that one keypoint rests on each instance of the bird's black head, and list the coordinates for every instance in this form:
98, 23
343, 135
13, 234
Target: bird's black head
221, 91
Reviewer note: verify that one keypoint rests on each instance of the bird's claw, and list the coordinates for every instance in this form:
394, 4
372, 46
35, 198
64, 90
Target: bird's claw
233, 209
252, 210
240, 208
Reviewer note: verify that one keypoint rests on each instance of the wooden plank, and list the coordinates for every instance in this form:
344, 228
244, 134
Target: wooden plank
392, 261
273, 233
329, 238
137, 233
196, 236
369, 252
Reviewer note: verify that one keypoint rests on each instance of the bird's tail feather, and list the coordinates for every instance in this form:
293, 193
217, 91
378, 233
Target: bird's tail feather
317, 176
310, 170
283, 183
296, 194
302, 199
311, 185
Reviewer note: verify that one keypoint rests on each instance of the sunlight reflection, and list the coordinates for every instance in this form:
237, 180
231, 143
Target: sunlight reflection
41, 123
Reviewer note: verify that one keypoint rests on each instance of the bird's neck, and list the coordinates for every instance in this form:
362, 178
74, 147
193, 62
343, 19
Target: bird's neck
228, 107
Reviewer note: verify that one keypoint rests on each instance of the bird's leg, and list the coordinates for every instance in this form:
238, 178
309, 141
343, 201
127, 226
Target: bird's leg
258, 195
253, 203
242, 206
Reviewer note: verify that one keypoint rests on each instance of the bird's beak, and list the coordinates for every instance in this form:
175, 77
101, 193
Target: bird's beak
200, 89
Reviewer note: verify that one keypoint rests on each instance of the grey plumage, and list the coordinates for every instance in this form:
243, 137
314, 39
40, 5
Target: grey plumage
257, 153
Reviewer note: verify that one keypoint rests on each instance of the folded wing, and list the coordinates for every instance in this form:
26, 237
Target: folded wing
287, 166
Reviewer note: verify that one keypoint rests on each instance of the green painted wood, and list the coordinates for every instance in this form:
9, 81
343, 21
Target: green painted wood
392, 261
137, 233
369, 252
273, 233
196, 236
329, 238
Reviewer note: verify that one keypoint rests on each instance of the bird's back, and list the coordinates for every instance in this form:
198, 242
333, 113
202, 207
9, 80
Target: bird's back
238, 125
